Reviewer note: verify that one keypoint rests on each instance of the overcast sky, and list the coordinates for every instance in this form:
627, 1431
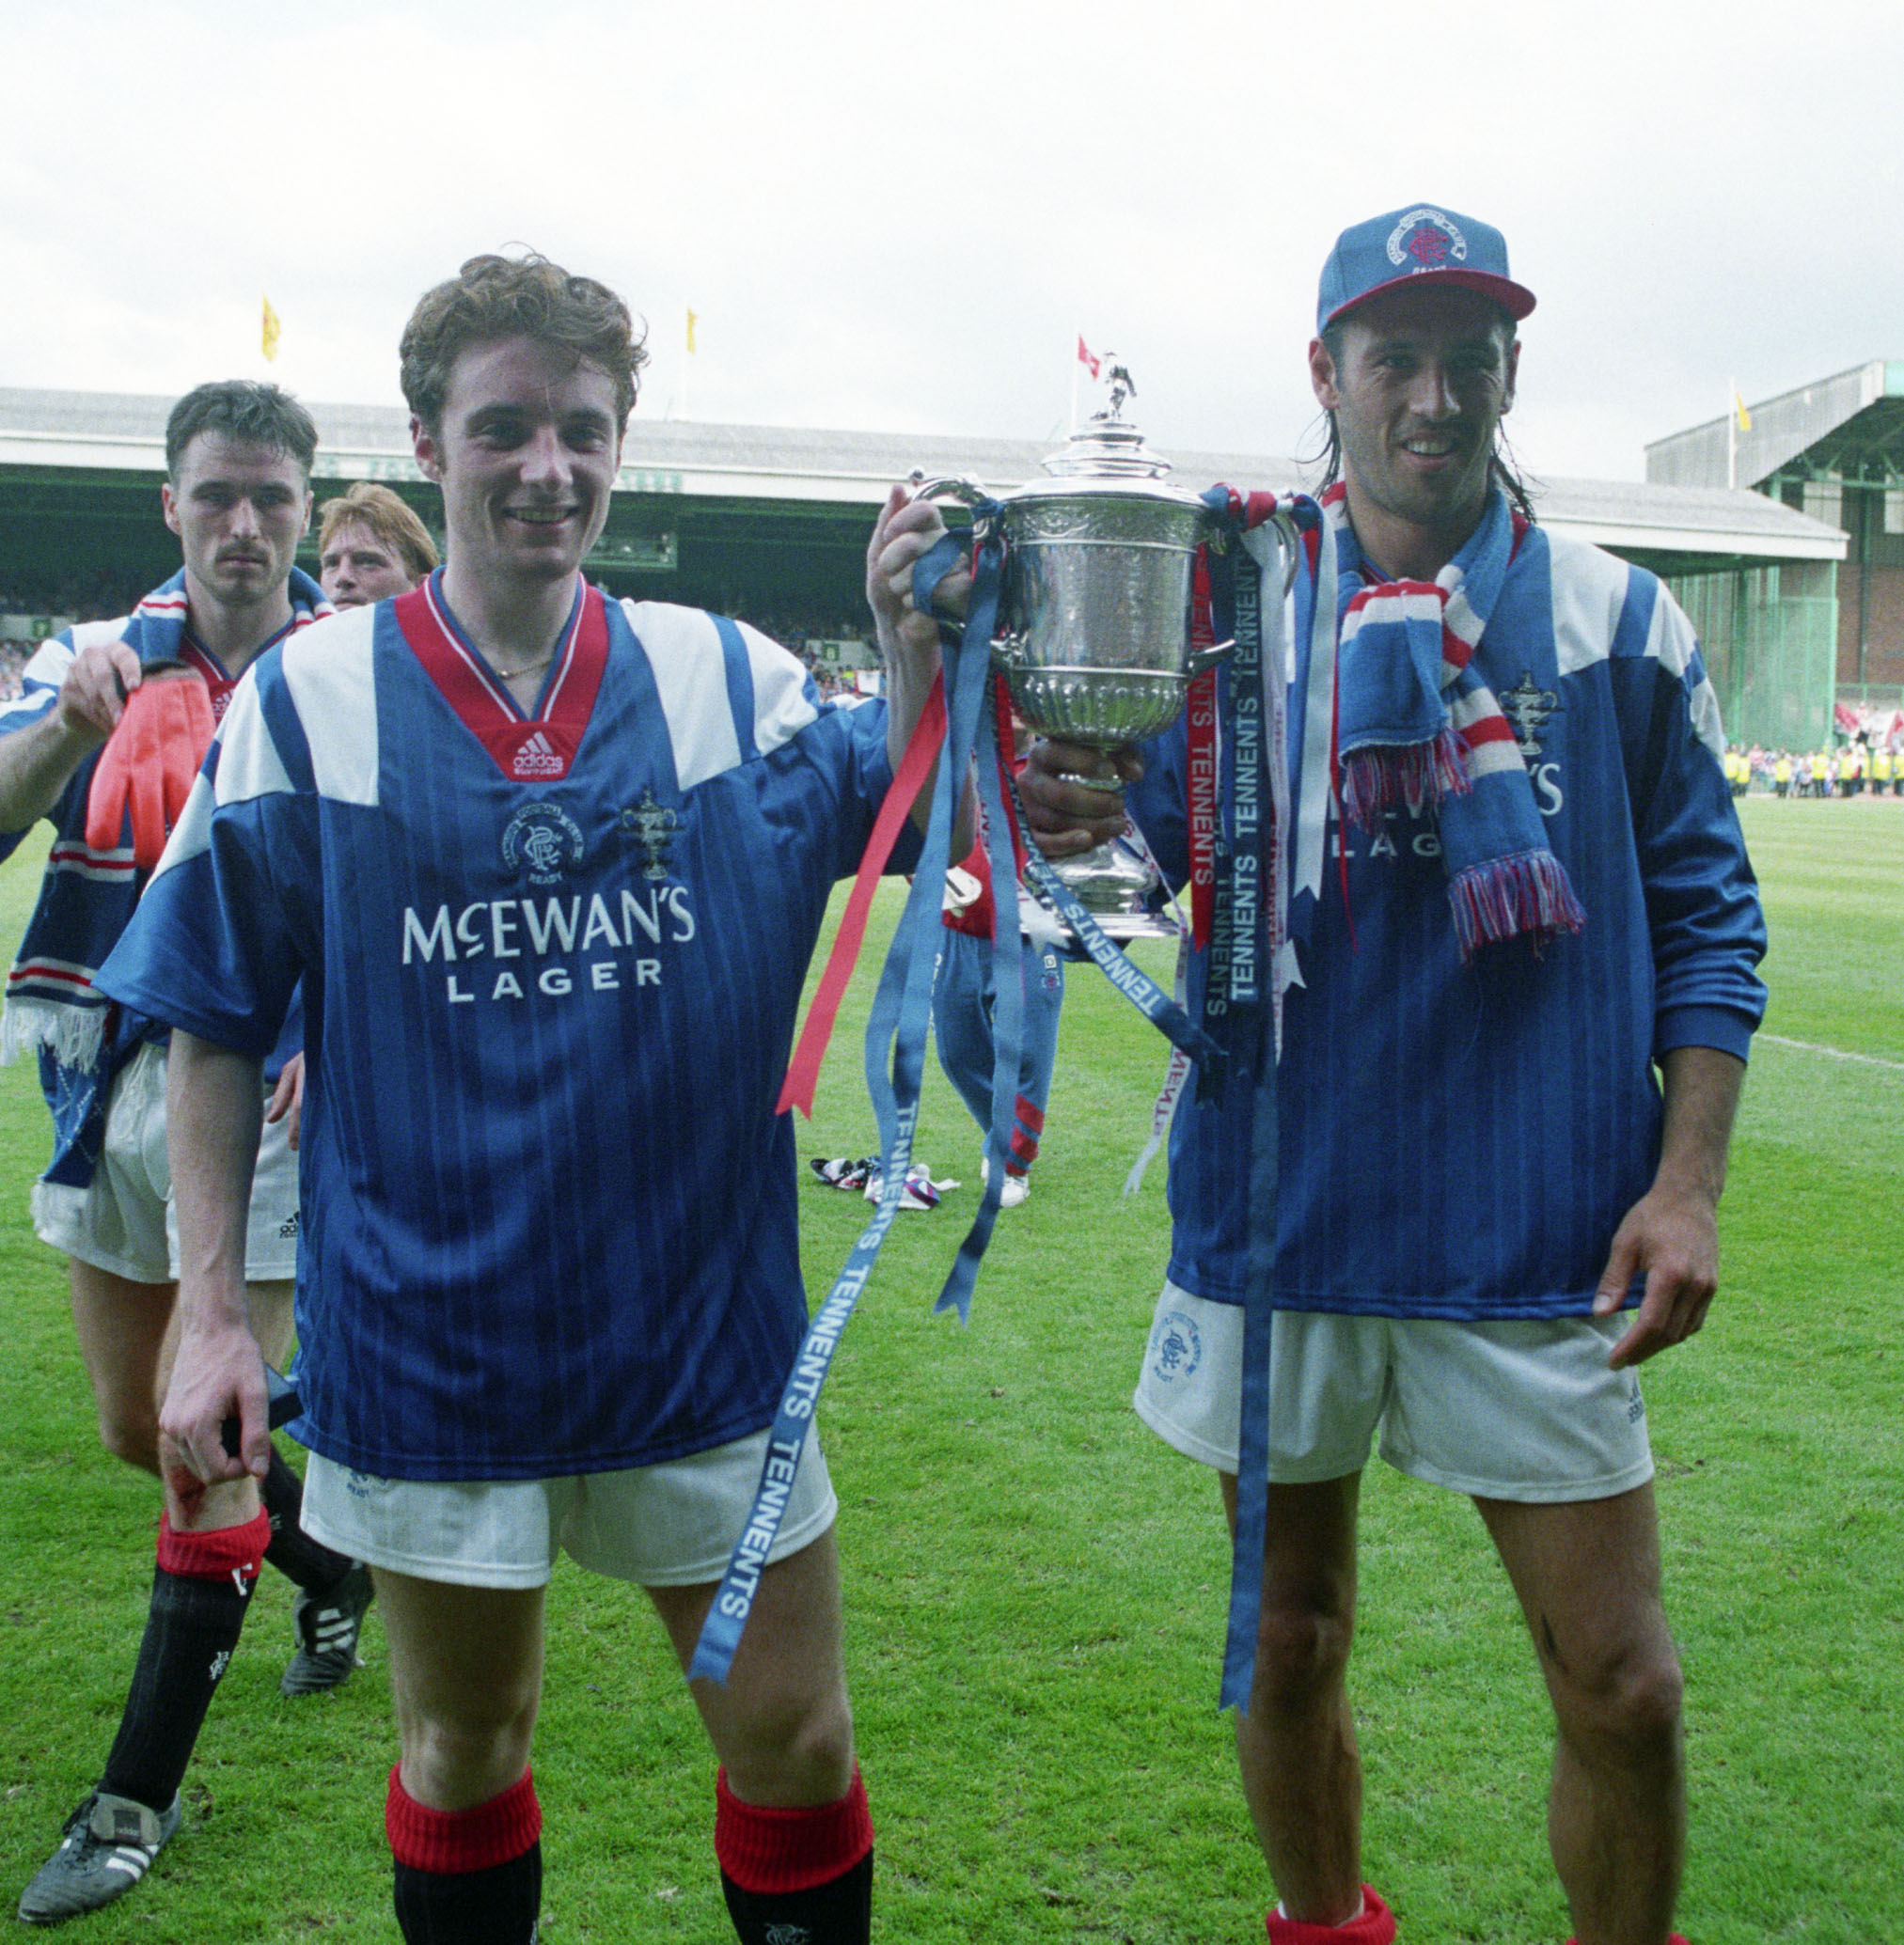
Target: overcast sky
900, 218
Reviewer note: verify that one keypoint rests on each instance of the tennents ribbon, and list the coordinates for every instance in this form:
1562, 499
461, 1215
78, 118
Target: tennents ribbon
1248, 970
901, 1008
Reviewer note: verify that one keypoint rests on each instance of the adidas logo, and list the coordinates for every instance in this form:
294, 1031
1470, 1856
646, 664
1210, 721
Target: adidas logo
538, 758
289, 1227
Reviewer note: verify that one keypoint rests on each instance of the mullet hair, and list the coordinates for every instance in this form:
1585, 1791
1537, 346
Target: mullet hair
386, 517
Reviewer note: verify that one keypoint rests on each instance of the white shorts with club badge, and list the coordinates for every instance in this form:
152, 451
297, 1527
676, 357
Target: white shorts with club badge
1522, 1409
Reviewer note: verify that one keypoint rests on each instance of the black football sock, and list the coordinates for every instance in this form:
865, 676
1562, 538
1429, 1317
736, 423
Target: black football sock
495, 1906
839, 1912
200, 1592
307, 1562
796, 1876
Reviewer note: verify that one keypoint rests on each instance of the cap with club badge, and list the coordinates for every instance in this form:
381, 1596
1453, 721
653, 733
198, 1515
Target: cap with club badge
1421, 240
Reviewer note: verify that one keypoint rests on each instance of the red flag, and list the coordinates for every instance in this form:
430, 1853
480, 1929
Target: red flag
1846, 717
1086, 357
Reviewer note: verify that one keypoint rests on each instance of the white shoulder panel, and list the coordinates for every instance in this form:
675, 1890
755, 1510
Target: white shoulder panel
781, 707
248, 763
683, 654
329, 672
1589, 590
1672, 641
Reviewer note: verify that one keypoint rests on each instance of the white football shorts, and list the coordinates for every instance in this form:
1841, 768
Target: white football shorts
123, 1220
670, 1525
1519, 1409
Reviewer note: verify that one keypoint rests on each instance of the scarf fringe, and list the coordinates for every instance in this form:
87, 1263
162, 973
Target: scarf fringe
75, 1034
1383, 777
1526, 895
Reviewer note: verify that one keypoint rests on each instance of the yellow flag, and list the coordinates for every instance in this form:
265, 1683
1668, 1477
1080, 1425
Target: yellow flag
271, 329
1738, 412
692, 321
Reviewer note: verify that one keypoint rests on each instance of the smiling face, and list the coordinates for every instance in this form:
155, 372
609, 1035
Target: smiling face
1418, 388
357, 568
527, 454
238, 508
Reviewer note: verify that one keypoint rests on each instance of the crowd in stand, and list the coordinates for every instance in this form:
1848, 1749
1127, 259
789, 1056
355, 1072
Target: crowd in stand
1847, 770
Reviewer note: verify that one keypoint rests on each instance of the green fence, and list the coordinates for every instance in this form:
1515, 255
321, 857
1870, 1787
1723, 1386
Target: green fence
1770, 636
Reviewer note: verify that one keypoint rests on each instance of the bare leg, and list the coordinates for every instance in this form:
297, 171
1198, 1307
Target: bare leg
466, 1680
271, 1321
1587, 1575
781, 1726
1296, 1745
123, 1330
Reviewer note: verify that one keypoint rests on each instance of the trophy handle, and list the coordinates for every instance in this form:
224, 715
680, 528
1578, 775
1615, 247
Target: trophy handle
968, 492
1290, 540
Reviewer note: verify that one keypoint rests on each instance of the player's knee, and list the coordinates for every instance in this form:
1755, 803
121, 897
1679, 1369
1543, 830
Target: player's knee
472, 1748
130, 1434
1628, 1699
1302, 1650
797, 1747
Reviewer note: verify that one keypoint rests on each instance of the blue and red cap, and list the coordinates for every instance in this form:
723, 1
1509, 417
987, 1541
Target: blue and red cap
1421, 241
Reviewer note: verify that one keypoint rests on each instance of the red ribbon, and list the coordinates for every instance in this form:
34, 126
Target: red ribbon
803, 1069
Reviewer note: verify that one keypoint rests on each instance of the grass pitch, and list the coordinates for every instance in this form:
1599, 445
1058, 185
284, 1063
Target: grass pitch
1035, 1586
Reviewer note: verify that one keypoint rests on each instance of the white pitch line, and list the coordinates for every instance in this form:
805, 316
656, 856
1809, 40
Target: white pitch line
1811, 1046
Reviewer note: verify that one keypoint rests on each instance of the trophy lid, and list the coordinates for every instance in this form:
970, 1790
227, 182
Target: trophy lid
1108, 448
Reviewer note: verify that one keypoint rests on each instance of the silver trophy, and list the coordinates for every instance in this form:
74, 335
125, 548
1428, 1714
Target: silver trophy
1094, 618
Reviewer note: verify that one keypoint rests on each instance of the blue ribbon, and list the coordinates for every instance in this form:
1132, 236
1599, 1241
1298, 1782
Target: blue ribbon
901, 1008
1235, 990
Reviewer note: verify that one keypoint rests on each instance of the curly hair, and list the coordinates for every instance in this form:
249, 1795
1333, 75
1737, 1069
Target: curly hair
240, 408
384, 516
495, 297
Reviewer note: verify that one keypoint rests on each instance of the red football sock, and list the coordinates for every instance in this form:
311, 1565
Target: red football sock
796, 1874
1376, 1926
466, 1876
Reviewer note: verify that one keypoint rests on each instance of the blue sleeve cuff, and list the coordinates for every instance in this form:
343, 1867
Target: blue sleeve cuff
1720, 1026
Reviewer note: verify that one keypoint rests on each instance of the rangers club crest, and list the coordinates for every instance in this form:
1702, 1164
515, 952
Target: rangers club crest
542, 842
1425, 239
1176, 1347
652, 825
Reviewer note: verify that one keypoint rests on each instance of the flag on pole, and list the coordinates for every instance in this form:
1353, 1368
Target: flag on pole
1741, 417
1086, 357
271, 330
692, 321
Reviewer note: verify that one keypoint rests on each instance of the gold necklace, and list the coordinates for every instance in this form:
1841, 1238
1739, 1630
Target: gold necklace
508, 675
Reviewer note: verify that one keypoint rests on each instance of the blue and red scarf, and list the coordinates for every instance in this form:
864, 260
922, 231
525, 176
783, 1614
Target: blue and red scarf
1418, 727
88, 899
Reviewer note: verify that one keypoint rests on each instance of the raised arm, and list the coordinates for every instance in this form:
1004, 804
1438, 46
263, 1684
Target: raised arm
36, 762
908, 641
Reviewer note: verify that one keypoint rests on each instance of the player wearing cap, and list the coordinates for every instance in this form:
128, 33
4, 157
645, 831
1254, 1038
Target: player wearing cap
551, 867
1478, 1172
104, 742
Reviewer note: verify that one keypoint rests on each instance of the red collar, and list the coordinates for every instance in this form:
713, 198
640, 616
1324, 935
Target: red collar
526, 750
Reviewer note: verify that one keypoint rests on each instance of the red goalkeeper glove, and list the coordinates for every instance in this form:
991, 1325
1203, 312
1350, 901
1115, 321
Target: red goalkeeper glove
147, 765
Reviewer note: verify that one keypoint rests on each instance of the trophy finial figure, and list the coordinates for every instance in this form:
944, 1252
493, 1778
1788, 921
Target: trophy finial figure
1123, 386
